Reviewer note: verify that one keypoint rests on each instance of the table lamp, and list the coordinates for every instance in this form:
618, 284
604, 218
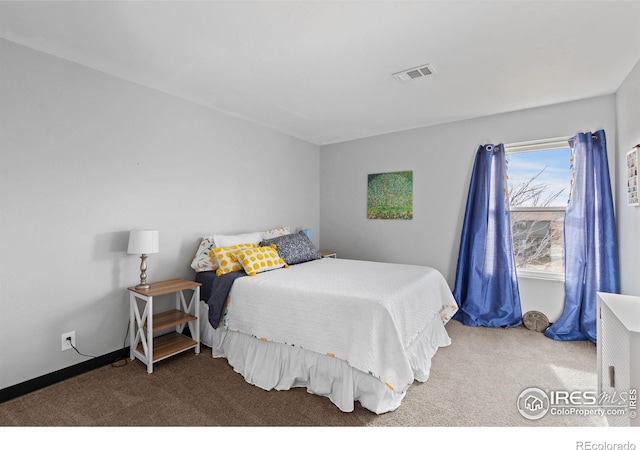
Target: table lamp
143, 243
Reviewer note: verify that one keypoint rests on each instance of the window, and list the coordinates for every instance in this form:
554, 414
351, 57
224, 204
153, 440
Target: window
539, 187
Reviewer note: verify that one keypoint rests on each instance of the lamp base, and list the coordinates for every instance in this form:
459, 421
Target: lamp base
143, 273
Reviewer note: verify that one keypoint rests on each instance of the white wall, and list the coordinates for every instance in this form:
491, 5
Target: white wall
86, 157
441, 158
628, 122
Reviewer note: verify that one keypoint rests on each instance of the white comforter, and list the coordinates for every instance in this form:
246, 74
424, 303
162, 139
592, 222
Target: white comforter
368, 314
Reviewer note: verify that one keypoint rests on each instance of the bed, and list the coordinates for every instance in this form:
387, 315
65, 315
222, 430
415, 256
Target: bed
345, 329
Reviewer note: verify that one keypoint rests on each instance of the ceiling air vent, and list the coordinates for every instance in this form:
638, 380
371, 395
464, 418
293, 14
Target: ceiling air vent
416, 72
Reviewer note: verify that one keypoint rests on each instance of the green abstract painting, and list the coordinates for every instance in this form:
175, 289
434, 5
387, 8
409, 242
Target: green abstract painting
390, 195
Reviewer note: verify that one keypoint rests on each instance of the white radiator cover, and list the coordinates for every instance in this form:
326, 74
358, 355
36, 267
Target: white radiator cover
618, 349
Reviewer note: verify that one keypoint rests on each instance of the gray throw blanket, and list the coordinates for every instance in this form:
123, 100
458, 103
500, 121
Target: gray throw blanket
214, 292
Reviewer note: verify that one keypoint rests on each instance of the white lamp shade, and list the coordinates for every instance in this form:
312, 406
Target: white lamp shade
143, 242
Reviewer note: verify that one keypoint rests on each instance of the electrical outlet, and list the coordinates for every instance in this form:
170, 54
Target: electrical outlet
65, 343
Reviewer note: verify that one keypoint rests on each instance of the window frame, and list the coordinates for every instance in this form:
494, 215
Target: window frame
536, 146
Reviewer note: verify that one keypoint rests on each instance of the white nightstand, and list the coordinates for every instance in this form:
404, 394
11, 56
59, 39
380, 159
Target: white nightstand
144, 322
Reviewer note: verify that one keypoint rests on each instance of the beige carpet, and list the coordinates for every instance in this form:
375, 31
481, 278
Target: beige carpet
475, 382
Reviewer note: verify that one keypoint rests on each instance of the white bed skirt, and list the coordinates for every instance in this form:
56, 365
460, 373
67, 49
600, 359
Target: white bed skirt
271, 365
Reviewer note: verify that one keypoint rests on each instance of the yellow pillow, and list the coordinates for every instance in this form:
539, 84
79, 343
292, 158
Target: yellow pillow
227, 260
260, 259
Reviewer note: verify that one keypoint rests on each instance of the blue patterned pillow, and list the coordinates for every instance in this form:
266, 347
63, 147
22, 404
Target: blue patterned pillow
294, 248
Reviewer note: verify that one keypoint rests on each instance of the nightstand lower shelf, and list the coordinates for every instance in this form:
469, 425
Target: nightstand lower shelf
168, 345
